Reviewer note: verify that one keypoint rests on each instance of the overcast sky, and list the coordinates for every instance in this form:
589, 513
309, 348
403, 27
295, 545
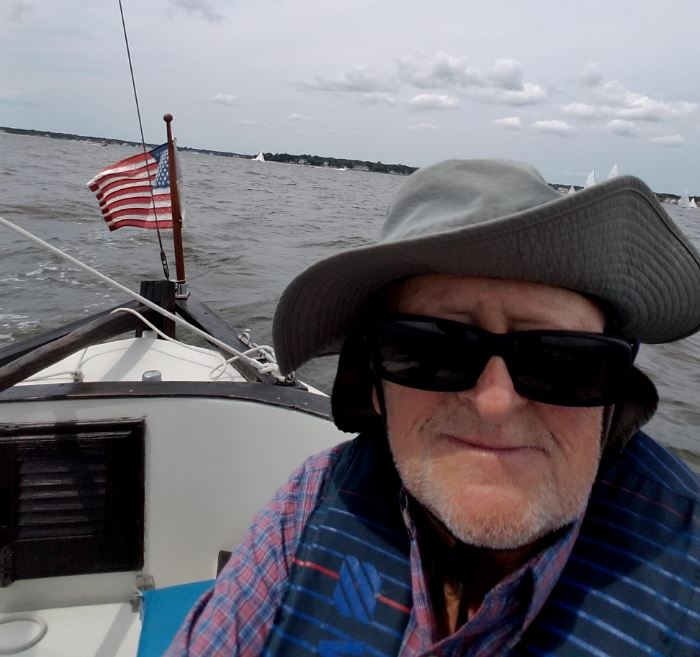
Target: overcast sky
567, 86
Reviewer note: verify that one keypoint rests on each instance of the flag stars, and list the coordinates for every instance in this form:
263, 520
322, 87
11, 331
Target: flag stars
162, 178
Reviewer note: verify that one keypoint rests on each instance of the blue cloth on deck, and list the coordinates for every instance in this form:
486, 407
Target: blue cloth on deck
164, 611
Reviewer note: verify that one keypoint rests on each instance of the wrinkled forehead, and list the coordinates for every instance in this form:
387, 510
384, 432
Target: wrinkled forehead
480, 300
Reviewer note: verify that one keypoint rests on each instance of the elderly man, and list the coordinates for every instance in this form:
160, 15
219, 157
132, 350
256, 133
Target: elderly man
500, 498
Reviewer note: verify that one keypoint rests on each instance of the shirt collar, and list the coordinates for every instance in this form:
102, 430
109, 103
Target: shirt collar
443, 554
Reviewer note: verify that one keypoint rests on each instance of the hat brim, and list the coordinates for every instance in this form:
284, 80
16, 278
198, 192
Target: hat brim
612, 240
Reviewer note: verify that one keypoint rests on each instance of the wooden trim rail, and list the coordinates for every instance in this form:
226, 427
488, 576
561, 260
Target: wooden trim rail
98, 329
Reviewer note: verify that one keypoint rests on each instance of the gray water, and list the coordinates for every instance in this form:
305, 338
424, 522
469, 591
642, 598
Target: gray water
250, 227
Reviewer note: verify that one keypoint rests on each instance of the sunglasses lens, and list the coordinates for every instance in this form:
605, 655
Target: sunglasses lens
554, 367
570, 370
422, 354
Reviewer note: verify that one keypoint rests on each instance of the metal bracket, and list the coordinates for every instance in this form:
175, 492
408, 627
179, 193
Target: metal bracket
181, 291
144, 582
244, 337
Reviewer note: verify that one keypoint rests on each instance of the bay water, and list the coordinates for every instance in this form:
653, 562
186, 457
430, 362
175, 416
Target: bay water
250, 227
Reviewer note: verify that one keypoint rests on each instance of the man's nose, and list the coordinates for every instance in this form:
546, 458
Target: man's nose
493, 397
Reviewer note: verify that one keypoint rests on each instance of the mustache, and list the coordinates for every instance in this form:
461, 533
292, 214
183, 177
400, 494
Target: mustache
471, 431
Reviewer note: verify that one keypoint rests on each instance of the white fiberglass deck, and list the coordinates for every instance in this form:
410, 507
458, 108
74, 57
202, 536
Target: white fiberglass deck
109, 630
129, 359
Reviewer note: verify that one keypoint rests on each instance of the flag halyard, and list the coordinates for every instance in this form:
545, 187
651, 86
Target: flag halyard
136, 191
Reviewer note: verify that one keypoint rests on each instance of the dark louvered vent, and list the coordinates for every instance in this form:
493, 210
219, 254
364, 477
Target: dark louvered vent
61, 494
71, 498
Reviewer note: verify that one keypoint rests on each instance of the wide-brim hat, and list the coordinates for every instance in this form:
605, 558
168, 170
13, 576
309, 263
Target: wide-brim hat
501, 219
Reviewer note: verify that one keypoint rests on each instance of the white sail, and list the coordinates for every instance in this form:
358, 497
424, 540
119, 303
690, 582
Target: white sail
684, 201
571, 190
591, 179
693, 204
614, 172
259, 157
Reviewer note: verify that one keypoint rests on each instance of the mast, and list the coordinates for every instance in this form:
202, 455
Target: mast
181, 282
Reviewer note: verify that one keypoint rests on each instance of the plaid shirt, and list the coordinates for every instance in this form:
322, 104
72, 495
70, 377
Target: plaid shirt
235, 617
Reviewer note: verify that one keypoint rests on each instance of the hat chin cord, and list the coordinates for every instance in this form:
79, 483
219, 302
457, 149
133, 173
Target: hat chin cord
606, 423
378, 388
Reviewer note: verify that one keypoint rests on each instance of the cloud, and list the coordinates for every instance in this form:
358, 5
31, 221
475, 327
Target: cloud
378, 98
611, 100
643, 108
509, 122
507, 74
18, 10
502, 83
530, 94
421, 126
200, 7
672, 141
359, 79
432, 101
584, 110
440, 70
245, 123
225, 99
554, 127
591, 76
298, 117
622, 127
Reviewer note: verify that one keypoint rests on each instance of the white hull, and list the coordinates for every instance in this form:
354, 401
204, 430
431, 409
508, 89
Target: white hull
214, 454
211, 463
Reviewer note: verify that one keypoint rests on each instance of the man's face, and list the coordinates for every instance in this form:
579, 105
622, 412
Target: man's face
499, 470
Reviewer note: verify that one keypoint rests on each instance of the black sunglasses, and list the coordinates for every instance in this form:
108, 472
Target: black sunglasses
566, 368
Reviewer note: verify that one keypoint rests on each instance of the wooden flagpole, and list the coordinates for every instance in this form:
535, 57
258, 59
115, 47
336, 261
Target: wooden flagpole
181, 284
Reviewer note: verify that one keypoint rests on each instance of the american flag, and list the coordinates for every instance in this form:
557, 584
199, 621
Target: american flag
128, 190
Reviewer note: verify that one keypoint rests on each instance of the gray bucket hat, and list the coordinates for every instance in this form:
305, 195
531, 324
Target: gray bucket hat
501, 219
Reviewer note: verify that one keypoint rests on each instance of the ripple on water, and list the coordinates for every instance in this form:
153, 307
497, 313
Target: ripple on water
250, 228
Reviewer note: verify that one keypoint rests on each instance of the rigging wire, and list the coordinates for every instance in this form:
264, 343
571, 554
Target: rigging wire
266, 353
163, 258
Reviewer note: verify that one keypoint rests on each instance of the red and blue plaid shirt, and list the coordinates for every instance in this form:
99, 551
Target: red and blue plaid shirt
235, 617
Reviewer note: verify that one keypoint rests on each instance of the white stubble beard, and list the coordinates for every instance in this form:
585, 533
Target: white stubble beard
546, 510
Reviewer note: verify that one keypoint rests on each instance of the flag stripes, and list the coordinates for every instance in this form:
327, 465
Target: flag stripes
135, 191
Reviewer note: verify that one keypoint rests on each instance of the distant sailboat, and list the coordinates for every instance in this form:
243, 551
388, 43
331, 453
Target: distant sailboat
614, 172
259, 157
571, 190
684, 201
591, 179
693, 204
